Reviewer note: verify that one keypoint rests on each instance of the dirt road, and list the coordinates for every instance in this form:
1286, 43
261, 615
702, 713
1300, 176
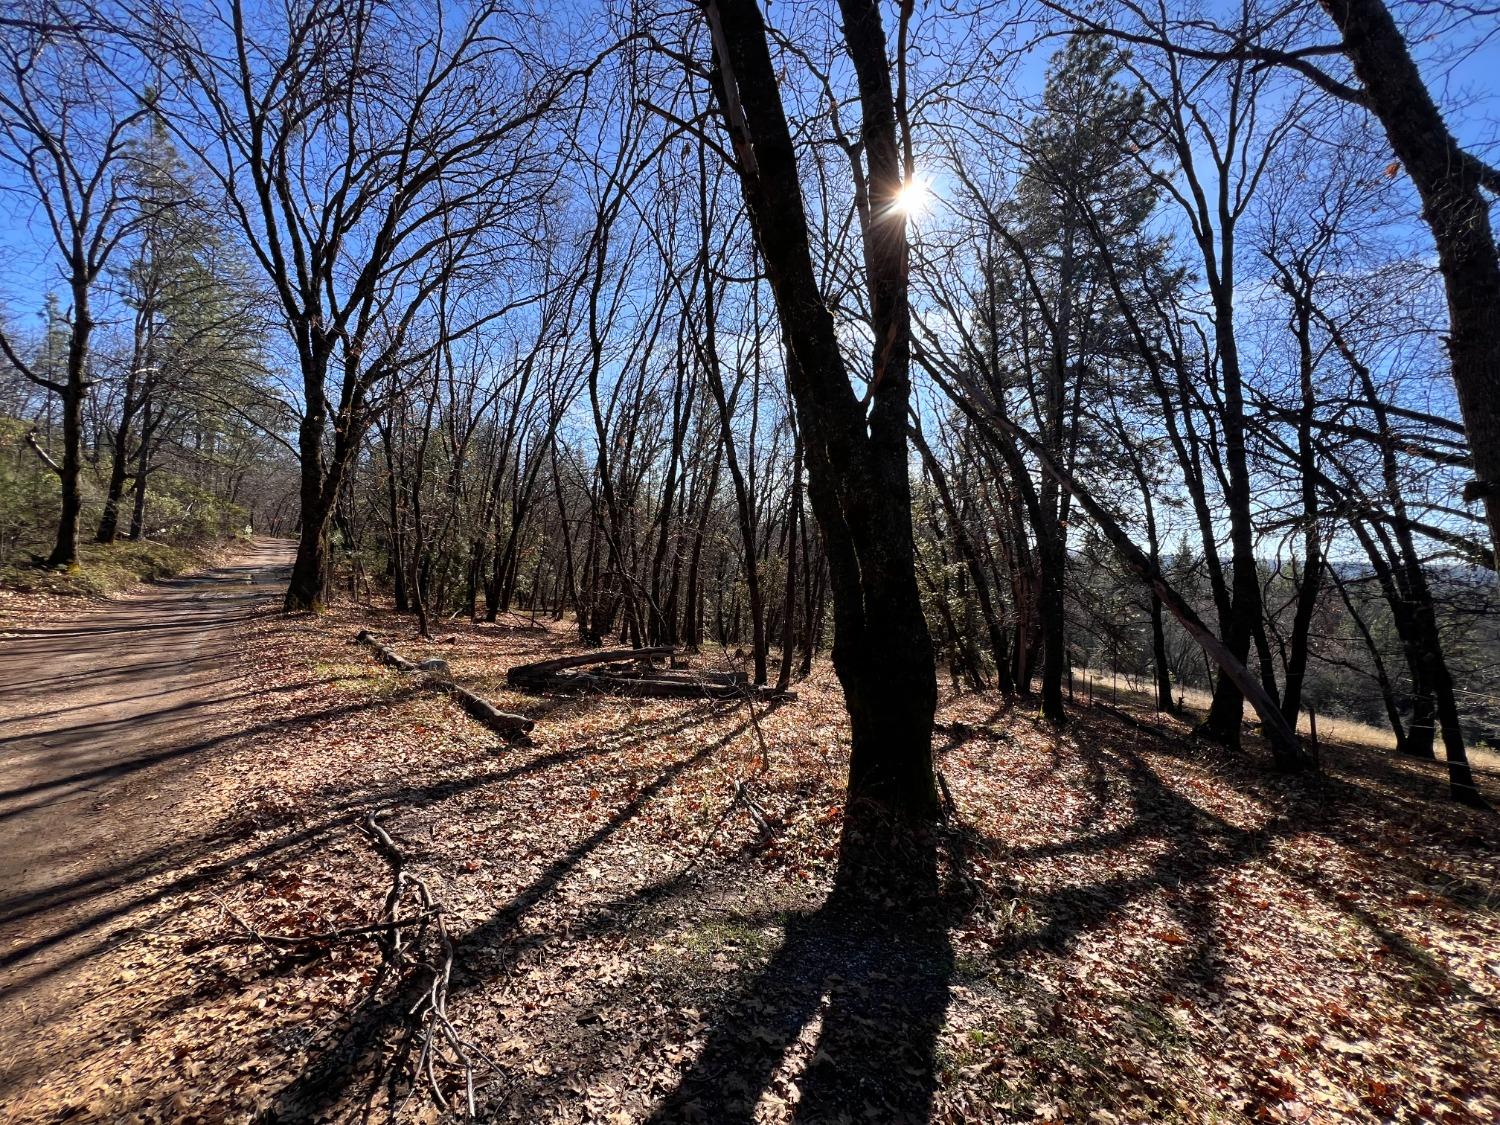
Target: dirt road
102, 722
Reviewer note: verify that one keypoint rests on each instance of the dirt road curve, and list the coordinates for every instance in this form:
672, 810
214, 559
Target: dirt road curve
102, 721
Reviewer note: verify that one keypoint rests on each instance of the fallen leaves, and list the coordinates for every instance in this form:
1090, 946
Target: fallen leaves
1157, 931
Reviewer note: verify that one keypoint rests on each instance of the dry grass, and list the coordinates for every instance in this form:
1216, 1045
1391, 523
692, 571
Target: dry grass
103, 571
1339, 732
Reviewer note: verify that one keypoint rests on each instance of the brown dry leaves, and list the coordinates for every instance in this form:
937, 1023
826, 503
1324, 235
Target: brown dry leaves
1161, 933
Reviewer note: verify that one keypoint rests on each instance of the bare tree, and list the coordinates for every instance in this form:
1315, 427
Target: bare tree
65, 135
347, 143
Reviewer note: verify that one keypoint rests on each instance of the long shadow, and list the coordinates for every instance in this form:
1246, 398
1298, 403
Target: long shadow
878, 985
343, 810
875, 975
134, 765
187, 619
283, 848
101, 881
123, 671
329, 1075
75, 731
259, 692
1202, 844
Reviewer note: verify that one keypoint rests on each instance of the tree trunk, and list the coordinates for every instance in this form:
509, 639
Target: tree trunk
789, 608
1458, 215
65, 551
1286, 748
142, 464
856, 463
309, 569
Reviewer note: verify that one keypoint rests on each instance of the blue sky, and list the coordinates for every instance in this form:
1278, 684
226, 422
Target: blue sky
1468, 88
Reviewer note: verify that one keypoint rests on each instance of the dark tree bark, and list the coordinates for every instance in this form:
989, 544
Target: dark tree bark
1299, 287
856, 461
1451, 184
789, 606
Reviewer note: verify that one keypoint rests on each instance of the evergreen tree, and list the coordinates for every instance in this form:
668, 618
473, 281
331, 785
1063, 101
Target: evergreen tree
193, 358
1074, 256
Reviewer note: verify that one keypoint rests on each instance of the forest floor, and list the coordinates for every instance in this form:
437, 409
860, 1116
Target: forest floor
1149, 929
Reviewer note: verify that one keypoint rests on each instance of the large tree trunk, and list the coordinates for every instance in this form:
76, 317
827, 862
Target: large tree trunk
65, 550
304, 593
856, 462
1453, 204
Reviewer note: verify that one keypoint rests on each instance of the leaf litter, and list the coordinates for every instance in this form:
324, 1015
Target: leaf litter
1158, 930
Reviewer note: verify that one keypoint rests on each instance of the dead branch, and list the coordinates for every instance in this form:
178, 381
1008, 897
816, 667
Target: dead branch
322, 937
385, 654
431, 1031
42, 453
502, 722
543, 668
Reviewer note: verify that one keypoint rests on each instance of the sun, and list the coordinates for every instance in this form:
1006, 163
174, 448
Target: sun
913, 198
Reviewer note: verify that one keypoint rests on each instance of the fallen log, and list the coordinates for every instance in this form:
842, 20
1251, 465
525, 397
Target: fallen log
501, 722
632, 671
544, 668
384, 654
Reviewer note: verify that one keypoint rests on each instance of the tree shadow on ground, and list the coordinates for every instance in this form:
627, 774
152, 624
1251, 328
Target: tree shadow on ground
331, 1073
185, 856
872, 978
866, 990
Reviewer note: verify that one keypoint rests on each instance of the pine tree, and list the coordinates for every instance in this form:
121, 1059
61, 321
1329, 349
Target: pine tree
1075, 246
193, 357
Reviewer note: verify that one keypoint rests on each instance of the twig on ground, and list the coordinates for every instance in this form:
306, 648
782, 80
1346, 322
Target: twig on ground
430, 1028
